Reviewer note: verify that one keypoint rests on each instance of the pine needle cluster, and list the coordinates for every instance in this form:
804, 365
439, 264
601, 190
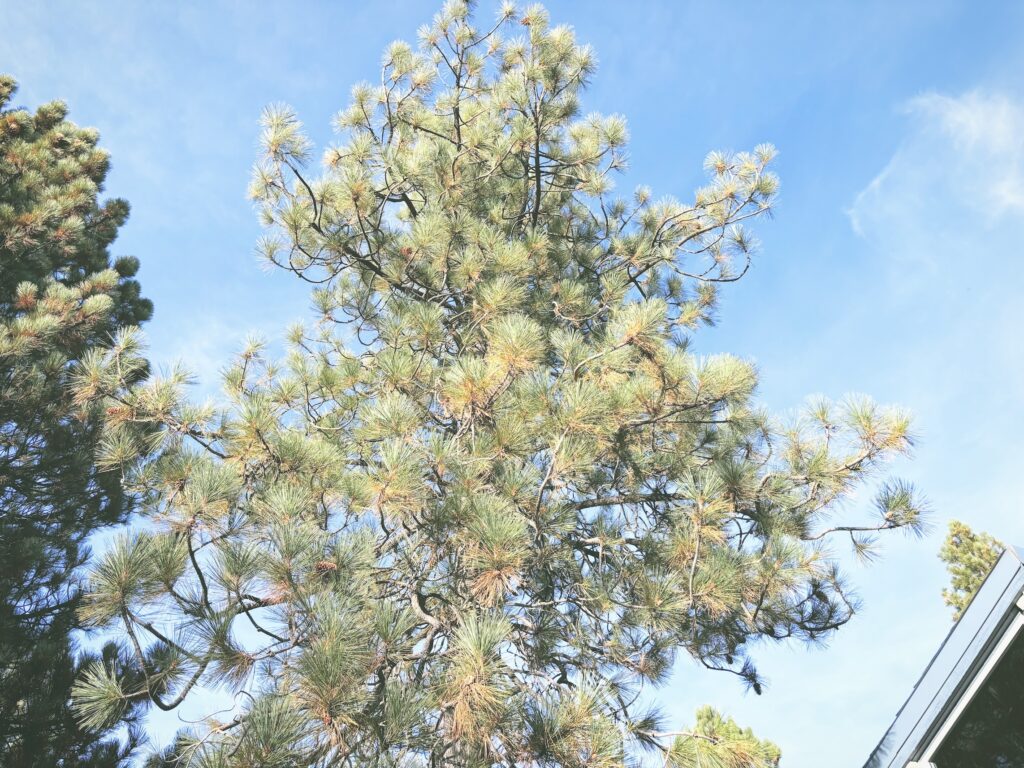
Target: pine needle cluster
490, 495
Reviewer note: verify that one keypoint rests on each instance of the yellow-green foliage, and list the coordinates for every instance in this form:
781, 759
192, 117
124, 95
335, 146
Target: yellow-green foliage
495, 432
969, 557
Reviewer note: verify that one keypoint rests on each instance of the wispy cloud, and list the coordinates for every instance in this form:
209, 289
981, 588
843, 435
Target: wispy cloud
942, 219
963, 157
987, 132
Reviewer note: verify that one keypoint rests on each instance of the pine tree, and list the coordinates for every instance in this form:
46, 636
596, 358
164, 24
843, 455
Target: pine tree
61, 298
489, 496
969, 557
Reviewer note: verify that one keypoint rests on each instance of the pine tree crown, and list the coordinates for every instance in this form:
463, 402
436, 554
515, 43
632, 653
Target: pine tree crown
489, 495
62, 296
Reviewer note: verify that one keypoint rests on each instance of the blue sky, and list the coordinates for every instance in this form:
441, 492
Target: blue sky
892, 266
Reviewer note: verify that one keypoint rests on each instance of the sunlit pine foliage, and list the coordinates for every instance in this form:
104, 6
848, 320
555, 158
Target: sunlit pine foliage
969, 557
489, 496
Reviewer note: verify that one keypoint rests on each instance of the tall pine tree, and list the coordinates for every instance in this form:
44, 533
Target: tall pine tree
61, 298
489, 497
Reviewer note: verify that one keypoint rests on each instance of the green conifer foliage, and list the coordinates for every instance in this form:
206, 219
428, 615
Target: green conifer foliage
61, 297
490, 496
969, 557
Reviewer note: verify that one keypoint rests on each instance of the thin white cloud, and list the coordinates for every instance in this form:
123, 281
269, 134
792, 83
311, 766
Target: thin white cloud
943, 219
964, 156
939, 309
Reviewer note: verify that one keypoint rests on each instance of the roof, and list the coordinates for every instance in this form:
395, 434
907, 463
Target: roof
960, 657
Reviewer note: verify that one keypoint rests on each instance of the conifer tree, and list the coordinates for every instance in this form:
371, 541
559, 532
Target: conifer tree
61, 297
969, 557
489, 496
